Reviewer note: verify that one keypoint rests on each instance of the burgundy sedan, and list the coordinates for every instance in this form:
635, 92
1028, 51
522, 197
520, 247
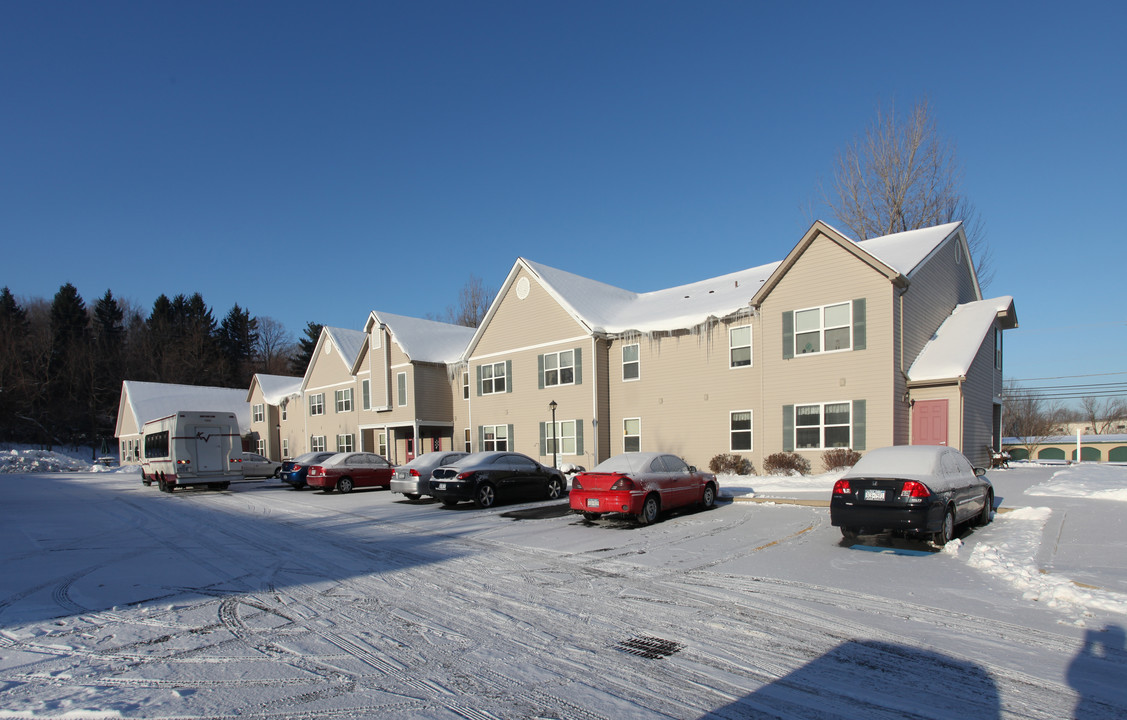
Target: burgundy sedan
345, 471
641, 484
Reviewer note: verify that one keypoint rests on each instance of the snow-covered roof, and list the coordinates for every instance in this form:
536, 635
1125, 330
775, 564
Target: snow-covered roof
1066, 439
348, 342
276, 388
609, 309
952, 348
149, 401
425, 340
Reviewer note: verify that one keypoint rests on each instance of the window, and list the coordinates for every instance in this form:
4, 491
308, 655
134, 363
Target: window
401, 385
156, 445
344, 443
821, 426
285, 448
260, 446
493, 378
317, 404
997, 349
822, 329
631, 434
559, 368
469, 443
317, 443
562, 441
740, 421
466, 387
366, 394
631, 366
381, 443
494, 437
259, 413
739, 344
343, 400
285, 403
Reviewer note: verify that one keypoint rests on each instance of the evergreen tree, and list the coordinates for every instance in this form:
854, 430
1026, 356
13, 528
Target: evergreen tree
67, 403
305, 348
237, 340
14, 371
107, 365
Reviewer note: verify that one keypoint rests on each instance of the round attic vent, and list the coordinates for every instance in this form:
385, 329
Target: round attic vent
522, 288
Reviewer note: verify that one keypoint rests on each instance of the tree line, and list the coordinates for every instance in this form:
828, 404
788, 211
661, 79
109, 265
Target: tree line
62, 362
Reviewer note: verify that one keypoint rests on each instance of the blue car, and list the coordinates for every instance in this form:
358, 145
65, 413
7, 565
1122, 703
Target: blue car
294, 471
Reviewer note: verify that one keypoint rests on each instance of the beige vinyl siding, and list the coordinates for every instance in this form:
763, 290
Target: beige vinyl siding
432, 399
535, 320
685, 393
826, 274
978, 400
329, 373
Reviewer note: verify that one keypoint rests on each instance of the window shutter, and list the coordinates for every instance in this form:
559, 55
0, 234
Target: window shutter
508, 376
859, 324
543, 438
578, 434
788, 428
578, 366
540, 371
480, 437
511, 445
479, 381
788, 335
858, 424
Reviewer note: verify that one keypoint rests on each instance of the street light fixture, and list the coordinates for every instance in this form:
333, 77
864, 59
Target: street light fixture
555, 461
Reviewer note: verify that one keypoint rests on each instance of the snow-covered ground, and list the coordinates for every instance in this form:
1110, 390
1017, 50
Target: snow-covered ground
117, 600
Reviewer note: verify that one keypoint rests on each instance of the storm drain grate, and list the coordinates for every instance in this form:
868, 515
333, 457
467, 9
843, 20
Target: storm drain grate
648, 647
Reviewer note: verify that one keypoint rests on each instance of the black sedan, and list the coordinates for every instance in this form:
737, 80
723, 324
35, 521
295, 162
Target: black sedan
487, 477
294, 471
922, 490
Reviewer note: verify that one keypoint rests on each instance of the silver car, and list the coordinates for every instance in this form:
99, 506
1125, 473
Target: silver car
413, 479
255, 465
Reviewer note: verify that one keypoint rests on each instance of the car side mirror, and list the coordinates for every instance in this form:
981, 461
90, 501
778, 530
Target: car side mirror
979, 472
692, 468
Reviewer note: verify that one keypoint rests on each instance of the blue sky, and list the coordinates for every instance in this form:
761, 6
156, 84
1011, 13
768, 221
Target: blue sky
315, 161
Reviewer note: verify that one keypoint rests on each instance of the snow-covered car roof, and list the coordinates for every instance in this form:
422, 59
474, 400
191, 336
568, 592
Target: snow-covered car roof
914, 462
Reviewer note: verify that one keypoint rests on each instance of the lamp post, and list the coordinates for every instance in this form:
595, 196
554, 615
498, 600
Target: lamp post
552, 407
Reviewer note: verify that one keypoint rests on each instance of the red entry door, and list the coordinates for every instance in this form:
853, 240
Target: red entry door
929, 422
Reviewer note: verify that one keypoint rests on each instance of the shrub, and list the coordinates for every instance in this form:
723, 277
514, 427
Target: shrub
729, 463
839, 458
786, 463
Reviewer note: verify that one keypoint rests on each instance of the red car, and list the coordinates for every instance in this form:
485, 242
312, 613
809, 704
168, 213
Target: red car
641, 484
345, 471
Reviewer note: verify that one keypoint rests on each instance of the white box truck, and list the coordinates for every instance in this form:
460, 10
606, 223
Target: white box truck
191, 448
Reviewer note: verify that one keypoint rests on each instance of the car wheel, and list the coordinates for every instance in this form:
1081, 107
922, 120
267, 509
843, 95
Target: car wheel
225, 484
591, 516
987, 510
161, 484
147, 482
449, 502
709, 498
649, 512
412, 496
947, 531
344, 485
486, 496
555, 488
848, 533
278, 473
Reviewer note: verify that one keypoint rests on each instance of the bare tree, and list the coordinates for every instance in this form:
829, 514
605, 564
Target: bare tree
1101, 415
903, 175
473, 303
274, 347
1029, 417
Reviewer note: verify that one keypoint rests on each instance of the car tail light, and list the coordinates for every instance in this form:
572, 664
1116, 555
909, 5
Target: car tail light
414, 473
316, 470
575, 483
623, 483
189, 462
914, 489
234, 460
467, 475
841, 487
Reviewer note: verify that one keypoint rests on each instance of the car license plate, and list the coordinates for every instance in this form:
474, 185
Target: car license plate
441, 486
592, 502
871, 494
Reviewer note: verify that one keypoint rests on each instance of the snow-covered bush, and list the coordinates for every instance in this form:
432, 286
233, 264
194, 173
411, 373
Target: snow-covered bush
731, 463
839, 458
784, 463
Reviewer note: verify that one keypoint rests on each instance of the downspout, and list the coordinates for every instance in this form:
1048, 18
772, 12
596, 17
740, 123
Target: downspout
595, 399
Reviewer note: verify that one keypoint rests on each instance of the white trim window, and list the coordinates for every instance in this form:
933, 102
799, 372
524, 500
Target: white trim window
381, 443
285, 448
559, 368
285, 407
401, 388
631, 434
823, 329
468, 438
343, 399
317, 404
631, 363
366, 394
562, 442
739, 346
822, 425
345, 443
740, 424
317, 443
466, 385
259, 411
493, 379
260, 446
494, 438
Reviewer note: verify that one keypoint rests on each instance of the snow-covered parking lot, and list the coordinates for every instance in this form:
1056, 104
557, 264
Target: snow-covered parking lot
118, 600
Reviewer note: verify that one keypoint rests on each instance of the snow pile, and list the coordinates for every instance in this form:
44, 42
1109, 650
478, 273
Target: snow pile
1096, 482
37, 461
737, 485
1010, 555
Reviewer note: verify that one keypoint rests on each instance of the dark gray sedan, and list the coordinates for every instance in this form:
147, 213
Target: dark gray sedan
487, 477
922, 490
